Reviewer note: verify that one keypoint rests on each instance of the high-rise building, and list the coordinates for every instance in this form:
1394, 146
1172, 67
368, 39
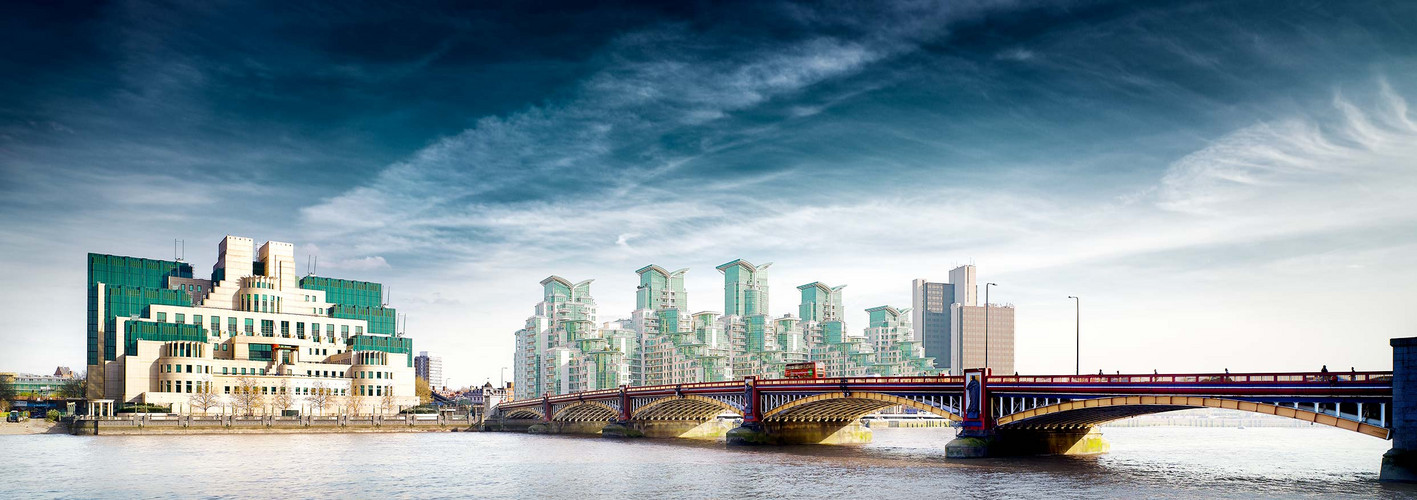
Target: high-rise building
562, 350
820, 302
897, 353
976, 323
745, 288
158, 335
944, 317
662, 344
660, 289
930, 315
429, 368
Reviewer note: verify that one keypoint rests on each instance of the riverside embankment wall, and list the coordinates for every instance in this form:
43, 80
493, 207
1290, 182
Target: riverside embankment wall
228, 424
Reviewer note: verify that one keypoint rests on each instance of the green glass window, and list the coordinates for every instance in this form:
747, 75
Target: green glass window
180, 318
161, 317
250, 326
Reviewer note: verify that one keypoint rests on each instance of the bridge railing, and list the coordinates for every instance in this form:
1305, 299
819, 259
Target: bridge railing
1330, 378
941, 379
694, 385
1197, 378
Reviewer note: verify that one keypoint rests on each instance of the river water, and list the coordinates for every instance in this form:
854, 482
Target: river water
1150, 462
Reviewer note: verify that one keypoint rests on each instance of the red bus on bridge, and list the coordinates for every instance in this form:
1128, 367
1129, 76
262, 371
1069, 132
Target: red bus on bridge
805, 370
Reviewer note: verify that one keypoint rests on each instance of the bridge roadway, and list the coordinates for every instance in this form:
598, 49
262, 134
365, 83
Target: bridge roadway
1024, 415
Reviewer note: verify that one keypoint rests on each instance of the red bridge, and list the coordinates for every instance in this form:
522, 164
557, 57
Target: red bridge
1014, 414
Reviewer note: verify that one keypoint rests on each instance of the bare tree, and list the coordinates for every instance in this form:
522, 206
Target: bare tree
388, 401
246, 396
204, 398
74, 387
319, 397
283, 399
351, 404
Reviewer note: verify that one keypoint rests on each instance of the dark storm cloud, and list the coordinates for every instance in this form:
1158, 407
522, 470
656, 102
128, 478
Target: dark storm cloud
488, 142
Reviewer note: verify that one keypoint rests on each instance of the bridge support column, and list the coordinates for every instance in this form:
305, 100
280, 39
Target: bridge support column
1022, 442
713, 428
565, 428
1400, 463
621, 429
853, 432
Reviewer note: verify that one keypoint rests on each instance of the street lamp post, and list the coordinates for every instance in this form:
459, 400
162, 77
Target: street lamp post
504, 377
986, 325
1077, 317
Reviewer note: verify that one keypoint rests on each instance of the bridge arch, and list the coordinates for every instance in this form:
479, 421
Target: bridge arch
843, 406
522, 413
586, 411
1088, 412
685, 407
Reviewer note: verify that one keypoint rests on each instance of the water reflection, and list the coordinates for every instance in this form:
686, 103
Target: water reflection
906, 463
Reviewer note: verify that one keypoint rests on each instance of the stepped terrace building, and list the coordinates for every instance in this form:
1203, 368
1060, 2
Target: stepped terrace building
158, 335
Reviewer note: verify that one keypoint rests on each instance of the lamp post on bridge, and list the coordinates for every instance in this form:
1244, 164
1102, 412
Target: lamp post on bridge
1077, 317
986, 325
504, 378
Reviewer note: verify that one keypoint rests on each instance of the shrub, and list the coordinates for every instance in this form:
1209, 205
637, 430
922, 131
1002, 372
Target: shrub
52, 416
145, 408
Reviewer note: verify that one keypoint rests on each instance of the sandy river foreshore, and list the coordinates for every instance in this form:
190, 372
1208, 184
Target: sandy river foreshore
32, 426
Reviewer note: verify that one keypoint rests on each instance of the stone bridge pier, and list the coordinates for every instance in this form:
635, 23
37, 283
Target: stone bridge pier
1400, 462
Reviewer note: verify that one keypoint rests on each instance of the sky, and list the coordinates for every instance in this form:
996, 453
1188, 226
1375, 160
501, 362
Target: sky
1226, 185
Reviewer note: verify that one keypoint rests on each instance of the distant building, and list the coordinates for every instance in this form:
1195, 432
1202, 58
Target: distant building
32, 385
429, 368
970, 323
952, 330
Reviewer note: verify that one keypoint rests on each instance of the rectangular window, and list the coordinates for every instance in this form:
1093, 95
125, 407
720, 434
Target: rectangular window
223, 370
227, 389
285, 329
344, 330
180, 318
359, 330
189, 386
162, 316
300, 330
250, 326
199, 288
243, 371
268, 327
197, 319
231, 325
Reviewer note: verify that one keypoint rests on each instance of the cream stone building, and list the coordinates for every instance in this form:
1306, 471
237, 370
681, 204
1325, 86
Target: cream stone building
306, 344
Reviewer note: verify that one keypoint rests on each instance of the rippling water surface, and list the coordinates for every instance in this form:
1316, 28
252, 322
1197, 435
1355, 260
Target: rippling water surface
901, 463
